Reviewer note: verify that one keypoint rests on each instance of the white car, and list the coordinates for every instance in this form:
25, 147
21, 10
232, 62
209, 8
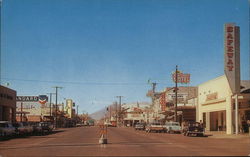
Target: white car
173, 127
6, 129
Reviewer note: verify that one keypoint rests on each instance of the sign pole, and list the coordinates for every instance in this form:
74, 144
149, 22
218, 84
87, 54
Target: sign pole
232, 64
236, 115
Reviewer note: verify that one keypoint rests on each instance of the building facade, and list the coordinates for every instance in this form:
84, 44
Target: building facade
164, 104
216, 105
7, 104
69, 110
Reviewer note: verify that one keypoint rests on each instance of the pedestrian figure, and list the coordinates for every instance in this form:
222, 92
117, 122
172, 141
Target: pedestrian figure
201, 124
248, 124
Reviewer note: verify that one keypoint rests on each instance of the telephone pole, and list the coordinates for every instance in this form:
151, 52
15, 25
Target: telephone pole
56, 87
176, 80
119, 108
50, 100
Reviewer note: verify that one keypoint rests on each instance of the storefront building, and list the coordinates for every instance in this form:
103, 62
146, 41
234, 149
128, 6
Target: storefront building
7, 104
216, 105
186, 109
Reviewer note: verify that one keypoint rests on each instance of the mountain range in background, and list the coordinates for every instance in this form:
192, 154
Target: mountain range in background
101, 113
98, 114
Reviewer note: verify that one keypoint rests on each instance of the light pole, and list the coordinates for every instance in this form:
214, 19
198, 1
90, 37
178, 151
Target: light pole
56, 87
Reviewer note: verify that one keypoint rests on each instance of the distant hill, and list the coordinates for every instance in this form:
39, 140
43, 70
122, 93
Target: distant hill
101, 113
98, 114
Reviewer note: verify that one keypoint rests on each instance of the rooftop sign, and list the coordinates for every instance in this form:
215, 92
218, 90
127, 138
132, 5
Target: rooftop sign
181, 78
41, 99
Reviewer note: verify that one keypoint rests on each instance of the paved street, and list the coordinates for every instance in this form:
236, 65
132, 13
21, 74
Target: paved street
83, 141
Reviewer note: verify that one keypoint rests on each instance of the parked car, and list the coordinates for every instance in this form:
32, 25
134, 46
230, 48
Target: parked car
28, 127
37, 128
20, 128
6, 129
193, 128
108, 124
155, 127
173, 127
46, 126
139, 126
79, 124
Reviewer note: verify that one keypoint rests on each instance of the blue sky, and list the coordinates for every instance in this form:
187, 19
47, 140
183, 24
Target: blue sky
92, 47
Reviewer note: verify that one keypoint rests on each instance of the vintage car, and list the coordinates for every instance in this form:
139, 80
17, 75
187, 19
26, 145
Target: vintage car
6, 129
173, 127
28, 127
155, 127
21, 129
37, 128
193, 129
139, 126
46, 127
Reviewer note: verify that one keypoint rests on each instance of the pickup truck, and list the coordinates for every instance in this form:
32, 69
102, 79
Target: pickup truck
155, 127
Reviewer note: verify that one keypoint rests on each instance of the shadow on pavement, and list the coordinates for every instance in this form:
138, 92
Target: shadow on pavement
41, 135
52, 145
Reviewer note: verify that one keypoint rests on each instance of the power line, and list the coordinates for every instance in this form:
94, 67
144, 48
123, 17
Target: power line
82, 83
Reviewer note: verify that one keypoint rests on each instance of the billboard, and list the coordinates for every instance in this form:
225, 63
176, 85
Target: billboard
232, 56
181, 78
42, 99
181, 97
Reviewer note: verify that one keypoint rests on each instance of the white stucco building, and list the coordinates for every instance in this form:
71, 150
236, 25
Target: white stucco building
216, 105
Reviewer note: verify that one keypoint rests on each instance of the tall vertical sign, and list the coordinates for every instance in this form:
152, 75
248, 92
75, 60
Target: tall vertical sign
163, 101
232, 56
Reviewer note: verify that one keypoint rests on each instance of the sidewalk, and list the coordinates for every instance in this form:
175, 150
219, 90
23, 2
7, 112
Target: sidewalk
222, 134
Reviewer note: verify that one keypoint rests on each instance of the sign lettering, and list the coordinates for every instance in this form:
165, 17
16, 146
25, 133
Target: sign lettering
232, 56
